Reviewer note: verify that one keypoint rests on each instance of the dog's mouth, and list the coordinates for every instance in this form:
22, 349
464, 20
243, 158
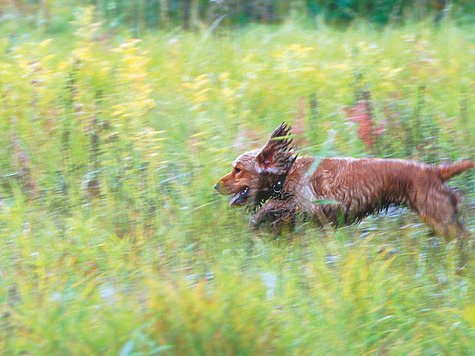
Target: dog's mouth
240, 197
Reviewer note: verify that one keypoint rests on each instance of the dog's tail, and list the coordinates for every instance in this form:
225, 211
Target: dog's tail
447, 171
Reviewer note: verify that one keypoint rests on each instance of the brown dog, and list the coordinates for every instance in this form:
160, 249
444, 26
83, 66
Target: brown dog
276, 185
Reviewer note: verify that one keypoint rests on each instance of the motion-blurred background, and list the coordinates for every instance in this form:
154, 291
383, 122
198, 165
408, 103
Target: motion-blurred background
138, 15
118, 117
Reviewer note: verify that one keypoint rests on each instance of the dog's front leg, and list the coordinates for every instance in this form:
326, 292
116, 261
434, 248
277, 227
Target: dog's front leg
276, 212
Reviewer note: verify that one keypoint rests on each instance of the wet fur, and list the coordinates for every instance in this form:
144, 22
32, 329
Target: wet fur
359, 187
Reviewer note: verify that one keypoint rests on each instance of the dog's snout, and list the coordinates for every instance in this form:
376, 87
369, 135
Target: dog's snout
219, 187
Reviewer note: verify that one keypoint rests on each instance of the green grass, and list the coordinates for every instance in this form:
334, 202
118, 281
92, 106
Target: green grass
113, 240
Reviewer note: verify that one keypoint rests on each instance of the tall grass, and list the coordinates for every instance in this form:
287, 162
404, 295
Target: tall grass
114, 241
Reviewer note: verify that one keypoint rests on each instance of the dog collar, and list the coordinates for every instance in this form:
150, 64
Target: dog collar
279, 183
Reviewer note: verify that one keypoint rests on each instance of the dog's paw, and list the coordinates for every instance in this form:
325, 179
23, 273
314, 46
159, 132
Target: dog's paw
254, 222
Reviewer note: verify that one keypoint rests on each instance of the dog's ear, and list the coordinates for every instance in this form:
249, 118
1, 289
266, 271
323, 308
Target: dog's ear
277, 152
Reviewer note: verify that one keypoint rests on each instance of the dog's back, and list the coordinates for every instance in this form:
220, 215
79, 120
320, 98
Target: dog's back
367, 185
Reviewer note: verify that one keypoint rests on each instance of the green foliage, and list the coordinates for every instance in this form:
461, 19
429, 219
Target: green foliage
53, 16
114, 241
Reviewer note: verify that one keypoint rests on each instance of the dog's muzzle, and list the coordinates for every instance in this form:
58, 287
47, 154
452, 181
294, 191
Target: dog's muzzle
220, 188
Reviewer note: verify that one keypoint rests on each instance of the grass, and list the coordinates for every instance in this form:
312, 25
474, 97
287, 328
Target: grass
114, 241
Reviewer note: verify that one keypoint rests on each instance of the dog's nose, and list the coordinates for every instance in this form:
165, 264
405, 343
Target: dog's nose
219, 187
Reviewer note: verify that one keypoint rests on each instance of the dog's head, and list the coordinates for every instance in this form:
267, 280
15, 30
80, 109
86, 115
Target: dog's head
255, 172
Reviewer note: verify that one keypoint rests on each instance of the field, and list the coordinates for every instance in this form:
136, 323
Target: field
115, 242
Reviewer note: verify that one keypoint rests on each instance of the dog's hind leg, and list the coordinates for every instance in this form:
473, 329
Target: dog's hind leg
439, 207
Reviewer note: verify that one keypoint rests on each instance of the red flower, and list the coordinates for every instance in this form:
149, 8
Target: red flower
361, 114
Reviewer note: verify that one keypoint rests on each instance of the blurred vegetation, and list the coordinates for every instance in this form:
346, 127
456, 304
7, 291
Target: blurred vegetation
54, 15
113, 240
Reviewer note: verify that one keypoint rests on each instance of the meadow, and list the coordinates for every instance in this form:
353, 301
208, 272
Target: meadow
115, 242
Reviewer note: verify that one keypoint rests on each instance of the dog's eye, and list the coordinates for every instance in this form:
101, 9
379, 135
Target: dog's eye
237, 170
